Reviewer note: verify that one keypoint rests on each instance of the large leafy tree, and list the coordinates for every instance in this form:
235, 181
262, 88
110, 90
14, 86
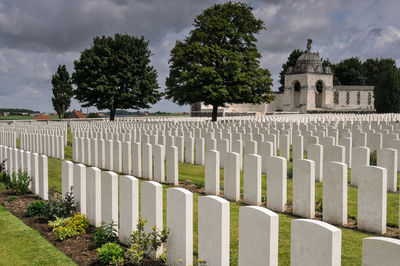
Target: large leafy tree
218, 63
291, 62
374, 67
62, 91
350, 72
387, 90
115, 72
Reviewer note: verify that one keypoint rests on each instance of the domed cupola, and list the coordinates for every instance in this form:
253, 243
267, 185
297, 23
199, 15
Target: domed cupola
308, 62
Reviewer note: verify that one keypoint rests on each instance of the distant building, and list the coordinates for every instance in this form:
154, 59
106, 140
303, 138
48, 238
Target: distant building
76, 114
101, 115
42, 117
308, 88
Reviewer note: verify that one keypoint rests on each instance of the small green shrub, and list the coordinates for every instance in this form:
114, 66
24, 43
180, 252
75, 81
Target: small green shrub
105, 234
68, 227
11, 198
143, 244
20, 182
5, 179
58, 207
35, 209
111, 254
2, 187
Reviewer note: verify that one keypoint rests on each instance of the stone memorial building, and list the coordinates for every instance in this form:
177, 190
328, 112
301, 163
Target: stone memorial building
308, 88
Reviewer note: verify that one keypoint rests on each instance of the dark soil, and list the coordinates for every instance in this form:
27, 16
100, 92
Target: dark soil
79, 248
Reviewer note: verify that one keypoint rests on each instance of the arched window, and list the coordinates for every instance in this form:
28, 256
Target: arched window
358, 98
297, 86
369, 98
319, 86
348, 98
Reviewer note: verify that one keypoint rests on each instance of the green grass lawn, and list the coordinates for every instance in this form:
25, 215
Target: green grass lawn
351, 239
22, 245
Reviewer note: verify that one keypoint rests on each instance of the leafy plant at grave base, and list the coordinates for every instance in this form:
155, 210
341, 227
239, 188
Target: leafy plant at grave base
11, 198
20, 182
111, 254
318, 205
68, 227
35, 209
372, 159
105, 234
5, 179
58, 207
143, 244
2, 187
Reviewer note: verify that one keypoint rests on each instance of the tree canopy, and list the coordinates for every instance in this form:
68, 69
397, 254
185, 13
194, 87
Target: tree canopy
350, 72
115, 72
291, 62
218, 63
374, 67
62, 91
387, 90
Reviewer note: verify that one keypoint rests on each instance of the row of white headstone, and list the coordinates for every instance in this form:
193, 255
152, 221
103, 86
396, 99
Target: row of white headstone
50, 145
8, 139
35, 165
371, 201
312, 242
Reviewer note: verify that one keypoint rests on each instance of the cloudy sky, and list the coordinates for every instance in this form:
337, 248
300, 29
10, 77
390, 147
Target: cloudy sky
38, 35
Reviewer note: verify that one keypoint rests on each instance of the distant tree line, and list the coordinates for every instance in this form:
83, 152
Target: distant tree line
17, 111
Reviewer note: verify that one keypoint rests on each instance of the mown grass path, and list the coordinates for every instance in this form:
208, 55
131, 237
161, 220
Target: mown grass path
22, 245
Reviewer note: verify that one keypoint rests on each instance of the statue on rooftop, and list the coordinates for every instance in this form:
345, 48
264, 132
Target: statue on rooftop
309, 42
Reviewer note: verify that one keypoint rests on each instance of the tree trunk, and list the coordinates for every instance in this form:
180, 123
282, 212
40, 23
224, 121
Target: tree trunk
112, 114
214, 113
60, 116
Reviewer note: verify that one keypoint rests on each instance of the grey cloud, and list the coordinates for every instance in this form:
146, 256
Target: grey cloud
38, 35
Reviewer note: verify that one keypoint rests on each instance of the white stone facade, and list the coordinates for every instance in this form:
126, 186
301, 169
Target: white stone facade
308, 88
